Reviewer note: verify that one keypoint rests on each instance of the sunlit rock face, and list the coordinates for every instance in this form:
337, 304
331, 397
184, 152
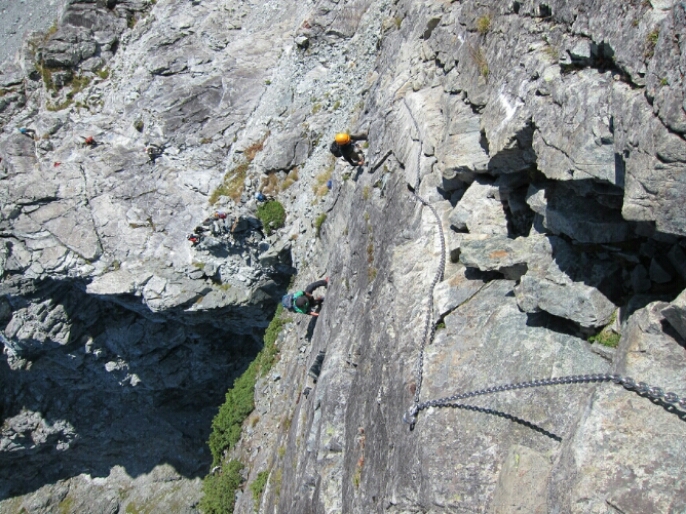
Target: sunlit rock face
548, 140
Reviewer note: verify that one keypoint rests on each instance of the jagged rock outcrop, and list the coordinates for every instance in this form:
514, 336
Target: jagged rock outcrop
548, 139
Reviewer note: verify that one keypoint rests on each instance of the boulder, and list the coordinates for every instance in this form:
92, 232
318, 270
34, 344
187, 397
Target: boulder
480, 210
675, 314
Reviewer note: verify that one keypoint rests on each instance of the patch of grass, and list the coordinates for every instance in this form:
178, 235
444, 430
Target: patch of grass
365, 192
371, 273
227, 424
440, 326
281, 451
199, 265
664, 81
319, 222
131, 22
483, 24
258, 485
232, 185
336, 105
291, 179
255, 148
219, 491
479, 58
370, 253
398, 21
138, 125
319, 187
272, 215
316, 108
278, 478
607, 338
60, 106
66, 505
651, 41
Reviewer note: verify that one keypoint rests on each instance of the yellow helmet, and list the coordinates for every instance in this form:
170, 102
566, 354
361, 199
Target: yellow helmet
342, 138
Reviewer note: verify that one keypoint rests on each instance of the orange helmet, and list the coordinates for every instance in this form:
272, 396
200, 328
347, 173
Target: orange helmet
342, 138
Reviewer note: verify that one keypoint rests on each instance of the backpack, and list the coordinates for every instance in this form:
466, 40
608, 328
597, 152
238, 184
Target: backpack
335, 149
288, 301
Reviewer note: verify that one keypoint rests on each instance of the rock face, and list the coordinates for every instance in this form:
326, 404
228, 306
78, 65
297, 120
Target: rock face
547, 142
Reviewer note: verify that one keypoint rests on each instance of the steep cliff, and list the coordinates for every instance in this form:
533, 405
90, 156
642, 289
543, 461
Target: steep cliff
521, 198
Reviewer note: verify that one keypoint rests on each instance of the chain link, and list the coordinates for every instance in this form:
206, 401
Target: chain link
410, 416
641, 388
429, 326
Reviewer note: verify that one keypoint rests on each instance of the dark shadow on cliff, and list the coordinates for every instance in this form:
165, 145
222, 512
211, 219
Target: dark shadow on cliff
126, 390
504, 415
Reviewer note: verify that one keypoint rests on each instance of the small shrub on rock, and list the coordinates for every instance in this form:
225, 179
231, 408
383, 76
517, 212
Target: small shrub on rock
272, 215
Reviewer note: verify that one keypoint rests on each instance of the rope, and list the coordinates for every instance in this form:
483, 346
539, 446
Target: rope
410, 417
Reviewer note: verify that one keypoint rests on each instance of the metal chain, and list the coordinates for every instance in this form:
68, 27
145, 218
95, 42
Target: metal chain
628, 383
429, 326
410, 416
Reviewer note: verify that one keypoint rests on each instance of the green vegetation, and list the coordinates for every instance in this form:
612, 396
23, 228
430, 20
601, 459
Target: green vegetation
232, 185
290, 179
606, 337
483, 24
281, 451
398, 22
365, 192
440, 326
66, 505
651, 41
664, 81
226, 425
319, 222
138, 125
319, 187
219, 491
480, 61
234, 180
258, 485
77, 83
272, 215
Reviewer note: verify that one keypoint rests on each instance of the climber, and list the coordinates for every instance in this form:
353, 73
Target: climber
261, 197
89, 141
193, 238
28, 132
314, 372
344, 146
154, 152
304, 302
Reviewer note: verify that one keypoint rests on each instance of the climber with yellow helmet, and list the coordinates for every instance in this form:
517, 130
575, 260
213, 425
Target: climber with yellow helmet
344, 146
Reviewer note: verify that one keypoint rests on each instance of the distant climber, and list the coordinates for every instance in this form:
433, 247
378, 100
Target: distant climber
193, 238
304, 302
344, 146
89, 141
154, 152
27, 132
261, 197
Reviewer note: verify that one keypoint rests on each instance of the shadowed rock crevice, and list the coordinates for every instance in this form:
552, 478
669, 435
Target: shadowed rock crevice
96, 385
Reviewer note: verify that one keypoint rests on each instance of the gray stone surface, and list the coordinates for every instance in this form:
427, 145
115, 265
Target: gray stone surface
675, 314
120, 338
